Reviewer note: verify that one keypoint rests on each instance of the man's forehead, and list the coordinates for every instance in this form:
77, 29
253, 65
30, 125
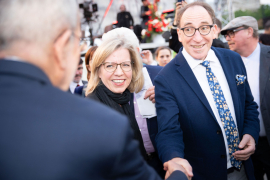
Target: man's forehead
196, 15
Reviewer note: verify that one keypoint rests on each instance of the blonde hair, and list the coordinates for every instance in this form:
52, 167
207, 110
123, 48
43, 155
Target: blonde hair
104, 51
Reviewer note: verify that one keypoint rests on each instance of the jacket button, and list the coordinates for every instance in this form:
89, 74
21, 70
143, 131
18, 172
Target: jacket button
223, 156
218, 132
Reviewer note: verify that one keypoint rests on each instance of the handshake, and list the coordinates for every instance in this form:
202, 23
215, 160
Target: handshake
178, 164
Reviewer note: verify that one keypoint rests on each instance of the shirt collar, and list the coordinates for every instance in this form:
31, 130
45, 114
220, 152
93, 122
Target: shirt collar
256, 51
13, 58
193, 63
75, 84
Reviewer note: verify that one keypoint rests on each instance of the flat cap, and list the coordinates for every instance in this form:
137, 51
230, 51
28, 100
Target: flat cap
240, 21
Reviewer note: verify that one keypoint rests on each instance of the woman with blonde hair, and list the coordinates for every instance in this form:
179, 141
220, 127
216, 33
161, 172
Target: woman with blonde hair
116, 72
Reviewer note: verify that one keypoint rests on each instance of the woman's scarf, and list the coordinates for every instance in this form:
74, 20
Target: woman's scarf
120, 103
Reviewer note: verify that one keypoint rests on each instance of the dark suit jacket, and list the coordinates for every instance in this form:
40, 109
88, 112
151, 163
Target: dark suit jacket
265, 87
79, 90
124, 19
186, 123
51, 134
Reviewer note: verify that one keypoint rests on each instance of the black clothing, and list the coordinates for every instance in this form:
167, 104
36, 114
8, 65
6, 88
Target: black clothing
175, 44
113, 100
265, 39
124, 19
145, 18
261, 159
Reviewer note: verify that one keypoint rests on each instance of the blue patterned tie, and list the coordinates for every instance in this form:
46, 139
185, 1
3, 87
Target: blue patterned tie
224, 113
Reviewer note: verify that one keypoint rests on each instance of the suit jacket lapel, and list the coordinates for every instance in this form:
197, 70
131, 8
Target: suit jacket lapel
264, 68
231, 79
186, 72
131, 103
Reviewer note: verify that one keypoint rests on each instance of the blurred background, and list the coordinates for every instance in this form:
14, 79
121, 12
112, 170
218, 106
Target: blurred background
99, 16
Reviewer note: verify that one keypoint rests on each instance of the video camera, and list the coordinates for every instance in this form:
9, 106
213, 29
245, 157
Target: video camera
88, 9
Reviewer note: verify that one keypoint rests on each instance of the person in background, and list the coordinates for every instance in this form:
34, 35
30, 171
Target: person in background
242, 36
77, 80
207, 117
267, 27
217, 42
144, 13
265, 39
147, 126
147, 58
54, 134
174, 42
88, 59
163, 55
124, 18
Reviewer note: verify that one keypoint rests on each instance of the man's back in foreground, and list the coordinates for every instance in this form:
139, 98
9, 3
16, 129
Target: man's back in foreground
42, 138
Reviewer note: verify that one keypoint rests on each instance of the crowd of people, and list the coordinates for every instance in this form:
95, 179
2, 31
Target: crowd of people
211, 101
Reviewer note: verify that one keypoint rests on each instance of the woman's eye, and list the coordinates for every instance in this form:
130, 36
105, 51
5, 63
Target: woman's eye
126, 65
109, 66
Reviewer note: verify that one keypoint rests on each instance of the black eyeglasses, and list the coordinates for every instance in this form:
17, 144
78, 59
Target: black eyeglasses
231, 33
190, 31
111, 66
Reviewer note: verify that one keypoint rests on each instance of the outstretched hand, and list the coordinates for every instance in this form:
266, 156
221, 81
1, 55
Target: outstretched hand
171, 166
179, 5
185, 164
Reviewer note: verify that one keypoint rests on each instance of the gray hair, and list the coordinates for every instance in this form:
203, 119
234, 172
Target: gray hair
122, 32
255, 32
35, 21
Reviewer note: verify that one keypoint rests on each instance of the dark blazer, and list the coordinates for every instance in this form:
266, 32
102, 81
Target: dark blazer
124, 19
265, 87
81, 89
51, 134
187, 124
175, 44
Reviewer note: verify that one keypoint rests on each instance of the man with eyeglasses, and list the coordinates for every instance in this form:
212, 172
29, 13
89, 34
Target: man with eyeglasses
207, 119
175, 44
242, 36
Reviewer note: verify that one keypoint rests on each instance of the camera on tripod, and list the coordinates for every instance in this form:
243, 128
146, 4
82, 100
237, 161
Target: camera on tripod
88, 9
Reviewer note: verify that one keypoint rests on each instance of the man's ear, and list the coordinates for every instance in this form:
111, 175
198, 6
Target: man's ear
59, 48
250, 32
179, 34
215, 31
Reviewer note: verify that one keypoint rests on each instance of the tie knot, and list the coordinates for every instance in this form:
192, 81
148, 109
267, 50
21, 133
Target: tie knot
205, 63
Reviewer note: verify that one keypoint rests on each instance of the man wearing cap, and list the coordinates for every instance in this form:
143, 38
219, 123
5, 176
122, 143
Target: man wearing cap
207, 118
242, 36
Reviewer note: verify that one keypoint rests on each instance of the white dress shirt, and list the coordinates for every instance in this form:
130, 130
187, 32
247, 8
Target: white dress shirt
73, 85
252, 63
200, 74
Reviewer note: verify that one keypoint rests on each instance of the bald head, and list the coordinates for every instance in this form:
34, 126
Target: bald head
43, 33
34, 21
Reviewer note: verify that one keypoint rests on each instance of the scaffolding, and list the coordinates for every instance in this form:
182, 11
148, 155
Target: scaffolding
224, 10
